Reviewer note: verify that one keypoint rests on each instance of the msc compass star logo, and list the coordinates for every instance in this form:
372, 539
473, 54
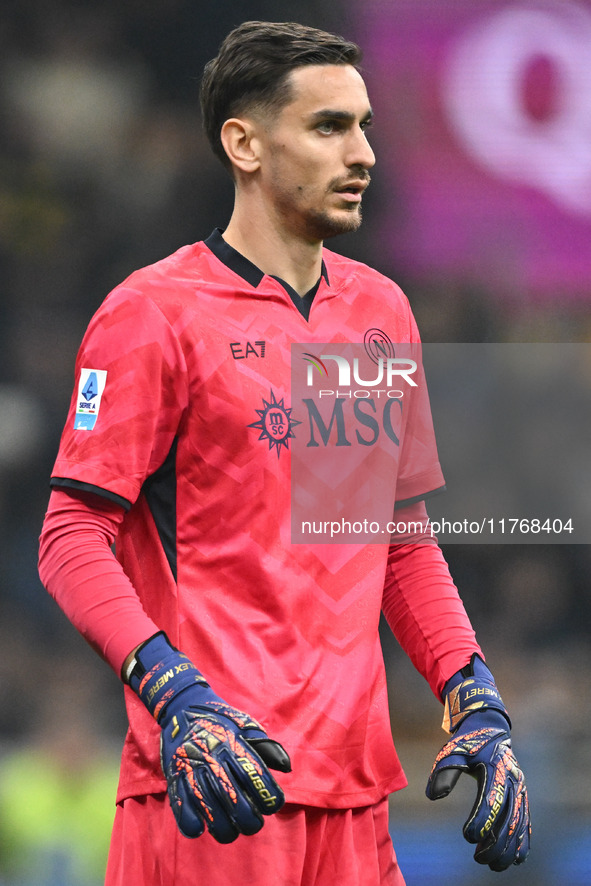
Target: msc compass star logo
275, 423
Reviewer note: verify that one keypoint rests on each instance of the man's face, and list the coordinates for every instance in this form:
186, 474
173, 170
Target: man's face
315, 155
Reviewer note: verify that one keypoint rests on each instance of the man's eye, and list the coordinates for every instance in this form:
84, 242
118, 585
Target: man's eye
327, 127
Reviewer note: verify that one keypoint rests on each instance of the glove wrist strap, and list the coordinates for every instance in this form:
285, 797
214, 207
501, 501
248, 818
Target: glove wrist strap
468, 693
160, 672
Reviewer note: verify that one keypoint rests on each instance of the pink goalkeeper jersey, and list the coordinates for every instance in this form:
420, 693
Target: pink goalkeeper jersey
182, 413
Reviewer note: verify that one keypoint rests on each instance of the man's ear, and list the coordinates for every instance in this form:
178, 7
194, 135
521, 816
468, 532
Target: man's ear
241, 144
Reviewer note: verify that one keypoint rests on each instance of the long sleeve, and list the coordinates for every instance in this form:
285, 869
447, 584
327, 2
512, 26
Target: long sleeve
80, 571
423, 608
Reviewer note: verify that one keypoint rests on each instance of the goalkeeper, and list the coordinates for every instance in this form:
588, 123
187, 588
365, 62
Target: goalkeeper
259, 748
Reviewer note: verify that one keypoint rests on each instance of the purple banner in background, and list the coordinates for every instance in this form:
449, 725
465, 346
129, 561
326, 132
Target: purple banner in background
483, 138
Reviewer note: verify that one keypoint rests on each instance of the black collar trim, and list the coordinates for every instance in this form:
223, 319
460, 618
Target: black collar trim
233, 259
241, 265
302, 302
253, 275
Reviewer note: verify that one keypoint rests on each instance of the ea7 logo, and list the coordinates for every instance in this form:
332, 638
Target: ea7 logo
387, 370
241, 351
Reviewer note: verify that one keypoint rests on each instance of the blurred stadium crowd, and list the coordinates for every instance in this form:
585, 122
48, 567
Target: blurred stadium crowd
104, 168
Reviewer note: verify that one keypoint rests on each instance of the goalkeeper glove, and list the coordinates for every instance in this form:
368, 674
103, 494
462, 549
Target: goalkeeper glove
481, 746
213, 756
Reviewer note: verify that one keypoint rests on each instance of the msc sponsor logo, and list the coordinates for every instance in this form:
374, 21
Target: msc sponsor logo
275, 423
355, 400
363, 426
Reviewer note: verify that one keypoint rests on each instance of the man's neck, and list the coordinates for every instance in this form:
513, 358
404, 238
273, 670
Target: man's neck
297, 262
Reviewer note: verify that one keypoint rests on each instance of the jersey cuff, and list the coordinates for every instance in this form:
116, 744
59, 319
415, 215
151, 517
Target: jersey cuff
67, 483
405, 502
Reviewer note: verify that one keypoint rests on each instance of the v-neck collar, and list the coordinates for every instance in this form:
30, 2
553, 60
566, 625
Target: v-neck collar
253, 275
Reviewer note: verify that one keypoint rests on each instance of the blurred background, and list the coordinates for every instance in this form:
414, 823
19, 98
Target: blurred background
481, 210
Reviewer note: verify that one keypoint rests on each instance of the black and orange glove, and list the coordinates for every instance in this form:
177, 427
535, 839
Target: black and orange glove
216, 759
475, 715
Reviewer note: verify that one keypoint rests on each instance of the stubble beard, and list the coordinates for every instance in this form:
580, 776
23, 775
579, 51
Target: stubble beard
315, 224
323, 225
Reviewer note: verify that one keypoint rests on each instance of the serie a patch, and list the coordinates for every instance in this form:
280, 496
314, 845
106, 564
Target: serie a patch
90, 390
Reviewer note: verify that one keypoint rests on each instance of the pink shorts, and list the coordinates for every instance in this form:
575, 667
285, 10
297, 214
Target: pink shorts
298, 846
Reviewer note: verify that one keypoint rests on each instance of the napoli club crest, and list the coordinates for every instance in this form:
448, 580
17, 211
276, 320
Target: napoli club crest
275, 423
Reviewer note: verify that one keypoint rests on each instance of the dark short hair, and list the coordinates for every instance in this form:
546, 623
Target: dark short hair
253, 65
